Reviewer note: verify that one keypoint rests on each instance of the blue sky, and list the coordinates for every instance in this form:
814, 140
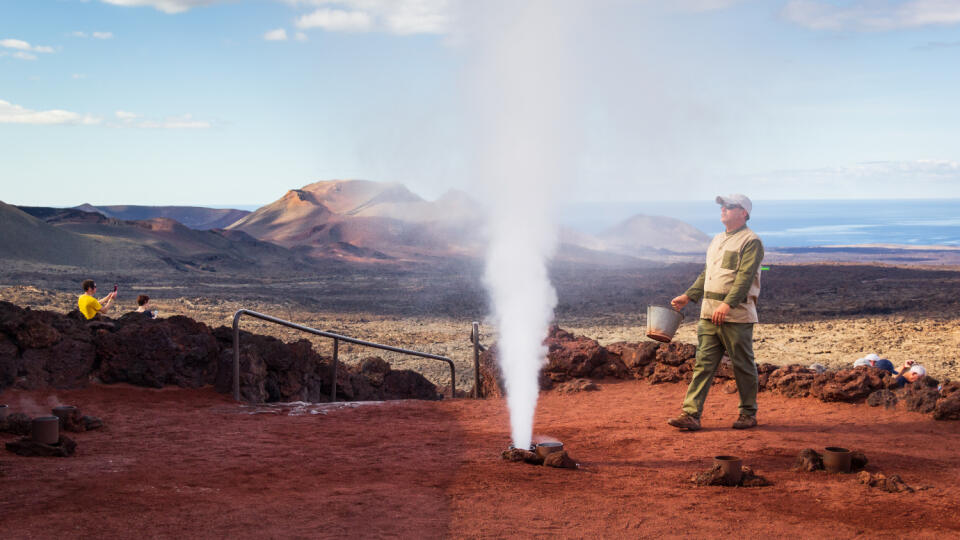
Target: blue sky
209, 102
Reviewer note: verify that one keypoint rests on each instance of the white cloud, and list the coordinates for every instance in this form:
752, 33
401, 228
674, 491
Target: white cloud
15, 114
176, 122
300, 36
703, 5
20, 55
79, 76
872, 15
126, 116
15, 44
279, 34
94, 35
871, 179
25, 48
336, 20
402, 17
166, 6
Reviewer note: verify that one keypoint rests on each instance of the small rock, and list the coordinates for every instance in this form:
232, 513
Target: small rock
560, 460
808, 461
749, 478
516, 455
577, 385
883, 397
858, 460
28, 447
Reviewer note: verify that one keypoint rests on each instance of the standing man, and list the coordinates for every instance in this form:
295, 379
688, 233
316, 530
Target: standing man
88, 303
729, 286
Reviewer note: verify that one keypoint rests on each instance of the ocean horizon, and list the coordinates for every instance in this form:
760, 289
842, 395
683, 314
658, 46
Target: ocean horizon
799, 223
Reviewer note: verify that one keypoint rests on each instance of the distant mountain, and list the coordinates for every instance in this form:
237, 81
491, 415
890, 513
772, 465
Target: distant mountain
194, 217
78, 238
639, 234
364, 220
28, 238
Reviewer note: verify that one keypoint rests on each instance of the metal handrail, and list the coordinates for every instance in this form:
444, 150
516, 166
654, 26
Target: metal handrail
337, 338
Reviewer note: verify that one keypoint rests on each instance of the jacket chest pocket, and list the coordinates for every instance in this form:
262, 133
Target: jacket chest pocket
730, 260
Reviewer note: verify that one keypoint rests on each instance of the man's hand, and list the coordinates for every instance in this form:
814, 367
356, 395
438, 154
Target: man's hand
680, 301
720, 314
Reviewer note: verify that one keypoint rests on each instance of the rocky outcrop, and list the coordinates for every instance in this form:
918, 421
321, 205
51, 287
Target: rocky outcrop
573, 361
848, 385
41, 349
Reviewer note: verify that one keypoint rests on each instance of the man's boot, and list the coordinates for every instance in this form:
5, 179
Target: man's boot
745, 422
685, 421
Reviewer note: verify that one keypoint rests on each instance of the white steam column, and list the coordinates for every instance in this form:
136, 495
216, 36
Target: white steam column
524, 99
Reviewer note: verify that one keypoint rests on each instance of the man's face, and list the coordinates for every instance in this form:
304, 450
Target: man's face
911, 376
92, 290
732, 214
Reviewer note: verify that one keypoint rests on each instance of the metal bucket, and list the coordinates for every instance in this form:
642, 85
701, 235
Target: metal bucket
836, 459
546, 448
45, 429
662, 323
731, 467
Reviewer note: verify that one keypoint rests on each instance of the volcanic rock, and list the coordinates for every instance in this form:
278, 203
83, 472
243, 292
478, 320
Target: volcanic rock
858, 460
577, 385
560, 460
808, 460
748, 478
891, 484
792, 381
715, 477
154, 352
848, 384
633, 356
573, 356
920, 397
883, 397
78, 423
65, 447
17, 424
40, 349
948, 408
374, 369
516, 455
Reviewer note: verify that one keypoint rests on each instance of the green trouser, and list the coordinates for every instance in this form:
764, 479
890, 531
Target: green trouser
736, 339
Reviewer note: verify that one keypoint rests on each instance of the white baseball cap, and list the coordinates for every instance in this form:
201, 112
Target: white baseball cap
737, 198
873, 357
918, 369
861, 362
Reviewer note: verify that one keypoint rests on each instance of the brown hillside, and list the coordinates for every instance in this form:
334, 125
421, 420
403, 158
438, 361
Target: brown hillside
640, 234
363, 220
192, 216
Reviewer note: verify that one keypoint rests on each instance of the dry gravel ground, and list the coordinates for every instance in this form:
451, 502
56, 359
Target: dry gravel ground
826, 313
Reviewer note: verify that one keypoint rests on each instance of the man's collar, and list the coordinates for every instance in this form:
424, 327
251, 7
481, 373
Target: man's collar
731, 233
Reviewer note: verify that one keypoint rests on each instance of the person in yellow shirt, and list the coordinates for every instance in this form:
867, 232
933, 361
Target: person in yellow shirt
88, 303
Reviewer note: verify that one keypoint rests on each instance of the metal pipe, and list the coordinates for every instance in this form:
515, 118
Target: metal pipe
476, 360
335, 337
236, 355
336, 359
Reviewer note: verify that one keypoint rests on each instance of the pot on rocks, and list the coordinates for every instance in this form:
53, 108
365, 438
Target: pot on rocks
546, 448
836, 459
45, 429
662, 323
731, 467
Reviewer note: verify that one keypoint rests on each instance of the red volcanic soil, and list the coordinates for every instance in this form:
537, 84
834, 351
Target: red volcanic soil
189, 463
